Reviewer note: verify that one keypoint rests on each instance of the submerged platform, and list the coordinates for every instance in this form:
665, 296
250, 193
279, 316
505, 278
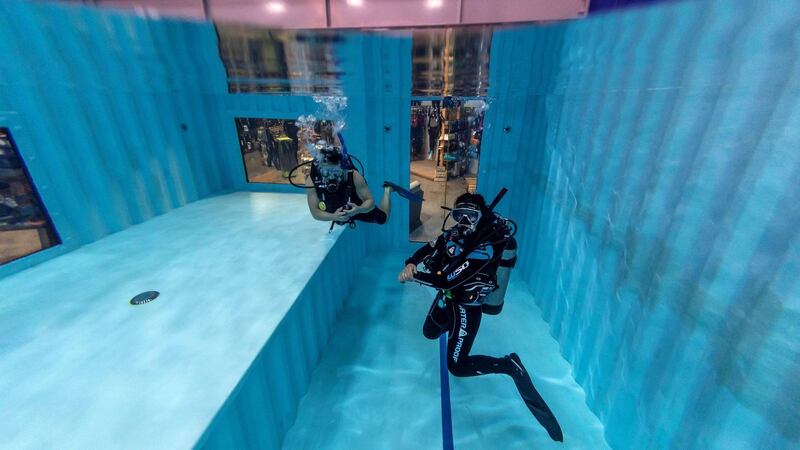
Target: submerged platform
82, 368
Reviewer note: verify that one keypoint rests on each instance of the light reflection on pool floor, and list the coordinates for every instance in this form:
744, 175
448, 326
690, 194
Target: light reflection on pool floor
377, 385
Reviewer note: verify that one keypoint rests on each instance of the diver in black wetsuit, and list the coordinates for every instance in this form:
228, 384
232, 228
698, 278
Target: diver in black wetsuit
469, 264
340, 193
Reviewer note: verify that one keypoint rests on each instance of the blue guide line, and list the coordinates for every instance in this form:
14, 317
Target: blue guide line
447, 419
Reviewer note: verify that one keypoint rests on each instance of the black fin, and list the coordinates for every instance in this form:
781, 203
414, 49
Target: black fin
534, 401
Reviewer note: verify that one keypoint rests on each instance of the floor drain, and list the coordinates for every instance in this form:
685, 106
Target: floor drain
144, 297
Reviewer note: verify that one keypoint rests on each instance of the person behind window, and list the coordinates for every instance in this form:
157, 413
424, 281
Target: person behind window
19, 205
434, 128
8, 205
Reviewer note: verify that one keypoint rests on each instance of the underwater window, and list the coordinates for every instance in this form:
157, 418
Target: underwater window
25, 226
271, 148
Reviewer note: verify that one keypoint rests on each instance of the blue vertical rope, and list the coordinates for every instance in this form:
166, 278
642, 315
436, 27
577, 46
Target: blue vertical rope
447, 419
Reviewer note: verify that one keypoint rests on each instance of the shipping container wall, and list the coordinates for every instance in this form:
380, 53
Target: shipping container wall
656, 192
113, 115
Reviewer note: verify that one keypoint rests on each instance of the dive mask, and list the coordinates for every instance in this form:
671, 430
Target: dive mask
328, 153
332, 175
466, 216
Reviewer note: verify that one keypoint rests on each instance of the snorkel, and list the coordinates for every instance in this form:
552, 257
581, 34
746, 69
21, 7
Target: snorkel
497, 199
345, 155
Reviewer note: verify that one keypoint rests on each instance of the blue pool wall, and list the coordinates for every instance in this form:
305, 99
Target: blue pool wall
648, 152
96, 102
657, 190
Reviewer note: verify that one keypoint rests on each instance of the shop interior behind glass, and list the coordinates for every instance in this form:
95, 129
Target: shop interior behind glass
445, 150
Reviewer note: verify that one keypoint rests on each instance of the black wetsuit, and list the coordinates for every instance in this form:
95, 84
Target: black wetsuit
458, 307
463, 281
346, 193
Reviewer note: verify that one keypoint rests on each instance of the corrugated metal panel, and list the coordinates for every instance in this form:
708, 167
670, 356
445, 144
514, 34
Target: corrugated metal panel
264, 404
387, 115
661, 217
97, 102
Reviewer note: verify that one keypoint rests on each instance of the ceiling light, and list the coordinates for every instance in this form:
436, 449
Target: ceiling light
355, 2
275, 7
434, 3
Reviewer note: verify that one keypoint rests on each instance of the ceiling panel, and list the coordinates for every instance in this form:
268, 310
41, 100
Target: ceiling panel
314, 14
274, 14
502, 11
393, 13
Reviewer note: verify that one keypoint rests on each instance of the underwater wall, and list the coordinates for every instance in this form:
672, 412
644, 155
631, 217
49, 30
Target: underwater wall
110, 115
263, 406
656, 190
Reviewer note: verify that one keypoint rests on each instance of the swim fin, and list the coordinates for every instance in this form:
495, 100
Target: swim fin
533, 400
405, 193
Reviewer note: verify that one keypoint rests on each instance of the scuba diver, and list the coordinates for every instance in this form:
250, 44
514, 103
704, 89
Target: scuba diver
338, 192
469, 264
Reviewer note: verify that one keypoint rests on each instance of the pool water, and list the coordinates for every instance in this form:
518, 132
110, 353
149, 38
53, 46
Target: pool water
377, 384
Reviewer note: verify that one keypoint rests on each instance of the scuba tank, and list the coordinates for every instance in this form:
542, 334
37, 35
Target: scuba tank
493, 302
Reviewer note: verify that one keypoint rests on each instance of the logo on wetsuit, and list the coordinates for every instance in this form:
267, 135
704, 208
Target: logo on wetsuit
462, 331
458, 271
453, 249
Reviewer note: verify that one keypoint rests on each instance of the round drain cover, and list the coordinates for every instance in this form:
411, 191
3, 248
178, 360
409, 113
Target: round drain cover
144, 297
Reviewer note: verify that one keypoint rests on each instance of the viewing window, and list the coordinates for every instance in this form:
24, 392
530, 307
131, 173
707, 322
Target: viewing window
271, 148
445, 150
25, 227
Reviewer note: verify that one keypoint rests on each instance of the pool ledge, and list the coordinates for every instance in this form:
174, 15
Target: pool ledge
263, 406
250, 286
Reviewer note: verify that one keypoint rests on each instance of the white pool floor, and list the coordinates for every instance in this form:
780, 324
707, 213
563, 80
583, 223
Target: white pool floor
81, 368
377, 384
